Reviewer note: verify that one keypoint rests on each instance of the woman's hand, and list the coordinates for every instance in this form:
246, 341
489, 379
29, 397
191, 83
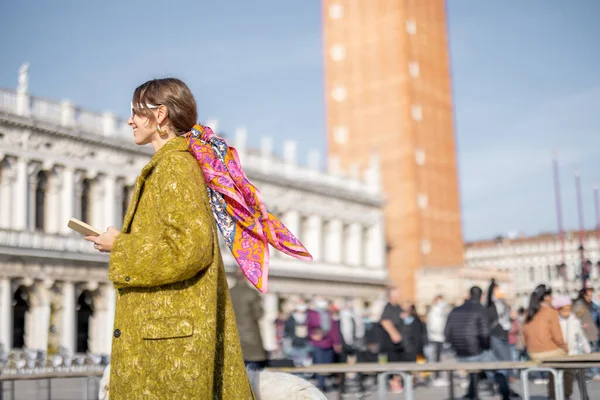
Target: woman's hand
104, 242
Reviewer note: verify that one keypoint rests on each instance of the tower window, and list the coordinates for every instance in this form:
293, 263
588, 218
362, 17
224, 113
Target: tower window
340, 134
413, 69
422, 201
417, 112
420, 156
425, 246
336, 11
337, 52
411, 27
339, 93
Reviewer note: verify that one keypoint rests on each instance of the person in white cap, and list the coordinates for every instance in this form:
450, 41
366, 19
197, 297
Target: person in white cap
571, 326
573, 334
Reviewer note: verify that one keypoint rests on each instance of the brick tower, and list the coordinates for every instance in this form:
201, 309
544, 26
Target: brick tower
387, 83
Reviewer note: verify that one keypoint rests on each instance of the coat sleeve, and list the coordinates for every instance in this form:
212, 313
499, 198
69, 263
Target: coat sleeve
483, 327
180, 246
448, 328
556, 332
582, 338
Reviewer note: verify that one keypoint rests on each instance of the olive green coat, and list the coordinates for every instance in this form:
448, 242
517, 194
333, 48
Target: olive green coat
174, 335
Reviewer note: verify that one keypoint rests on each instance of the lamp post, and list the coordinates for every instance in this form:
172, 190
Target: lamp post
581, 233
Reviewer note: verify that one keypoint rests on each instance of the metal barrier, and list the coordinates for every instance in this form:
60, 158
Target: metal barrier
559, 390
382, 384
383, 371
405, 370
92, 376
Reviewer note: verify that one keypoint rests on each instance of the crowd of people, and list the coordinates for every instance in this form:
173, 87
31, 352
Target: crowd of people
483, 329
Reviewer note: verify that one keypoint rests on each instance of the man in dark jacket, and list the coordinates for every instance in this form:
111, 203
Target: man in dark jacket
468, 332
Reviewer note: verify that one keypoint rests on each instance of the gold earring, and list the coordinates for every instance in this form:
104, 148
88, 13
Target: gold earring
160, 131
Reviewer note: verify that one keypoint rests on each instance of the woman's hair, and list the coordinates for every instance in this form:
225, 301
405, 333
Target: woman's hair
413, 311
536, 300
173, 94
490, 293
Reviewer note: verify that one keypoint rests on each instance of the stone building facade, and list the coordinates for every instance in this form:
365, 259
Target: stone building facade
58, 161
533, 260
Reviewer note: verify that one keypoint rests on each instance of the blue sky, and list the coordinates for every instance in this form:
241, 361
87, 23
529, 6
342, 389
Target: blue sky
526, 80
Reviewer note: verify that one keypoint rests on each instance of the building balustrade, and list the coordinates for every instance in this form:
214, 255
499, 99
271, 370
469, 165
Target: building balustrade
44, 241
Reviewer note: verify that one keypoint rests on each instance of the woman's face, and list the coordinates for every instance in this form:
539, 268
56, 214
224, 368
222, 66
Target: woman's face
143, 129
565, 311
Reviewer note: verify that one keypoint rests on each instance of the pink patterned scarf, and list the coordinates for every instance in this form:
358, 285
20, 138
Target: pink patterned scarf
246, 225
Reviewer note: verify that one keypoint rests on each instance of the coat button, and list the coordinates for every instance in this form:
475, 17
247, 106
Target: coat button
127, 279
117, 333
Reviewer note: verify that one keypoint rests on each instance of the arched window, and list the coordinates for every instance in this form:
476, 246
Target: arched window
40, 199
20, 306
531, 274
85, 201
85, 309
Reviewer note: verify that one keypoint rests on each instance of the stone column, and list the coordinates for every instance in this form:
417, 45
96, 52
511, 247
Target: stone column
291, 219
111, 298
20, 196
78, 177
353, 244
67, 200
375, 254
6, 298
267, 324
52, 215
312, 236
110, 202
98, 321
334, 231
56, 315
97, 200
8, 174
68, 318
33, 168
37, 320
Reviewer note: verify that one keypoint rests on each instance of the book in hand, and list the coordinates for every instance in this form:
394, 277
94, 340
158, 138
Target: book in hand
83, 228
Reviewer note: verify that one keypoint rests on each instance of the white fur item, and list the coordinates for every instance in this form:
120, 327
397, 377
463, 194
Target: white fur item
266, 385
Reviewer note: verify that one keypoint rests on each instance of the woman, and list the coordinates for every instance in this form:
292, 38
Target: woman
542, 332
573, 334
499, 322
295, 335
324, 335
175, 335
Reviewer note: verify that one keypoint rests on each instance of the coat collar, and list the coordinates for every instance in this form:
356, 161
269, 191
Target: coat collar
178, 144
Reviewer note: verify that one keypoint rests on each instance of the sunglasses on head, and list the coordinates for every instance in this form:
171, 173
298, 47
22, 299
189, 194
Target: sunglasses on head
150, 106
